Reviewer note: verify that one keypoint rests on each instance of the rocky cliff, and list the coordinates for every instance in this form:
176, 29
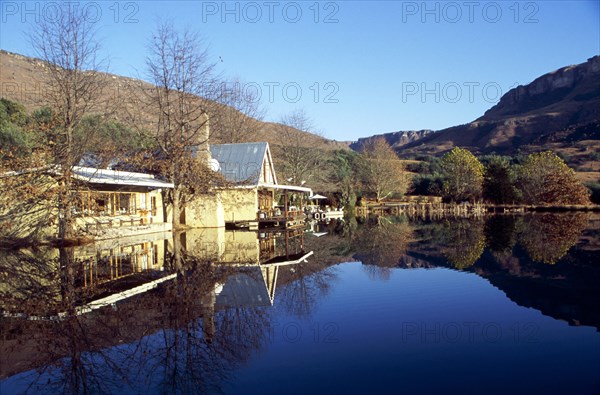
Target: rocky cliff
577, 84
559, 111
395, 139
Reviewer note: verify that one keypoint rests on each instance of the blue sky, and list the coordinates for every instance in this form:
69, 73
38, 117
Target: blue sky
357, 68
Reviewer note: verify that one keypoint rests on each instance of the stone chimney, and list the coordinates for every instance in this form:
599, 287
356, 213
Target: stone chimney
203, 148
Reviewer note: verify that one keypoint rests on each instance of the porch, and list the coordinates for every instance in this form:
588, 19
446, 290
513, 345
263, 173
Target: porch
289, 214
110, 204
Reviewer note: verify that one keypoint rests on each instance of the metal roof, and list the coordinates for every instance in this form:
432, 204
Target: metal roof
244, 289
99, 176
240, 163
115, 177
295, 188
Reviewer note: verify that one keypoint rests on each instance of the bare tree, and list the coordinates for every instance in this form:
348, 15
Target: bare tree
382, 171
300, 163
236, 120
72, 82
183, 76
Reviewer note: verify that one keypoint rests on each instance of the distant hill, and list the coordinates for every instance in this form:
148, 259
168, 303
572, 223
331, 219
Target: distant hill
559, 110
23, 79
395, 139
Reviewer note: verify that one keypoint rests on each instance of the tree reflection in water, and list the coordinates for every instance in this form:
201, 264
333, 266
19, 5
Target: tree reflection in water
174, 339
300, 295
462, 241
547, 237
501, 234
199, 346
178, 337
381, 243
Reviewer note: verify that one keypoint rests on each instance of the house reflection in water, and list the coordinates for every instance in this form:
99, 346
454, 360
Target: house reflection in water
245, 247
107, 263
255, 258
130, 288
105, 272
53, 283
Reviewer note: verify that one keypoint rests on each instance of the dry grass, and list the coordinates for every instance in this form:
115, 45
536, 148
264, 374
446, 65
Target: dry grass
23, 80
588, 176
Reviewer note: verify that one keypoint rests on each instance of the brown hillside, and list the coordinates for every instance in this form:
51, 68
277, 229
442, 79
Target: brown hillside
559, 110
24, 80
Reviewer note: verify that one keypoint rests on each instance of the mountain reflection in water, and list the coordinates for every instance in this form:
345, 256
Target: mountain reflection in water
183, 313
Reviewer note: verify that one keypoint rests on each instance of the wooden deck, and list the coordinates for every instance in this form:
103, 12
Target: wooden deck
278, 219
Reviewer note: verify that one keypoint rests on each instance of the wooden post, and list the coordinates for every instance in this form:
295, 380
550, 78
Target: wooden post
287, 235
285, 204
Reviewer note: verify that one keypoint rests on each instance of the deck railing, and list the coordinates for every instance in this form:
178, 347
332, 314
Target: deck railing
280, 215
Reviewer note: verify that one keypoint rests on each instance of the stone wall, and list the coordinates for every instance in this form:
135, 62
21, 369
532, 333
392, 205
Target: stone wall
205, 211
239, 204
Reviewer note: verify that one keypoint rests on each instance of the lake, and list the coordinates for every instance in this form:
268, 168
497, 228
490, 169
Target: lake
499, 304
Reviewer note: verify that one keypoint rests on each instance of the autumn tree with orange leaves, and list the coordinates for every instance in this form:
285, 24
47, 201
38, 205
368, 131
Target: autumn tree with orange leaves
544, 178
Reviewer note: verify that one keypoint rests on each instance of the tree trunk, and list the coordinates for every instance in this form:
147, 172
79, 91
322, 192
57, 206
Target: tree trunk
67, 276
176, 209
176, 200
65, 216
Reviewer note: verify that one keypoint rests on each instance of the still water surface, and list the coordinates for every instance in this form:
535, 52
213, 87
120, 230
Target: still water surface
385, 305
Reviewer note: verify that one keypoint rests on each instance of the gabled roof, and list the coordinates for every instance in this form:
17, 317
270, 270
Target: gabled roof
243, 163
115, 177
244, 289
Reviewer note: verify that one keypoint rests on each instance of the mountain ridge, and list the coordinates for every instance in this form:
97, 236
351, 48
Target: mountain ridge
395, 139
559, 110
